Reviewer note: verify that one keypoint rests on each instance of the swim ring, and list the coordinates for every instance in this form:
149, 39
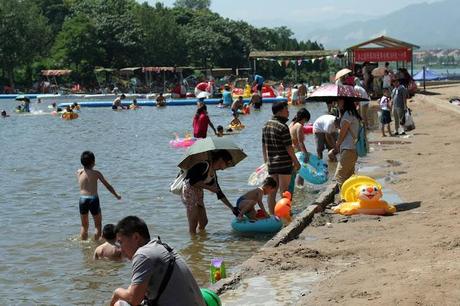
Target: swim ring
69, 116
182, 142
258, 176
315, 171
236, 127
268, 225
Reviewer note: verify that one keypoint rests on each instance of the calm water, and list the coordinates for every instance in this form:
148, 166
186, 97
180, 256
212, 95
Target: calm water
41, 259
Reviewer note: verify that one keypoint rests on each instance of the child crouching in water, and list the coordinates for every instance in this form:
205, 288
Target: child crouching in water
108, 250
89, 199
247, 202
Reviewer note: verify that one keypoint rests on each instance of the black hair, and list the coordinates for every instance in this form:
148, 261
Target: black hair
203, 108
303, 113
122, 96
270, 182
278, 106
220, 128
349, 106
108, 232
75, 103
87, 159
132, 224
224, 154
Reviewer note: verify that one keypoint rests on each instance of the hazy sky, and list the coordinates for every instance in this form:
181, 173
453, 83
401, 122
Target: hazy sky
294, 13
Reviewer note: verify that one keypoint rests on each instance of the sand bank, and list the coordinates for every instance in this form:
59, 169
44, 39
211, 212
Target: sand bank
406, 259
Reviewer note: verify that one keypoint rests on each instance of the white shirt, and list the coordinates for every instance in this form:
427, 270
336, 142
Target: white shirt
324, 124
363, 93
294, 94
386, 81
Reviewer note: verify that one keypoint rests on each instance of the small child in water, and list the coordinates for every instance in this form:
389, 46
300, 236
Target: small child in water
220, 131
108, 250
248, 201
89, 200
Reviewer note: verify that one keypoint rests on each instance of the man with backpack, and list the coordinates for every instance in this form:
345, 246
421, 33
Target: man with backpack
160, 275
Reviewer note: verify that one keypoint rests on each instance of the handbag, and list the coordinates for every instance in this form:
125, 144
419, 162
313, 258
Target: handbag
409, 124
176, 186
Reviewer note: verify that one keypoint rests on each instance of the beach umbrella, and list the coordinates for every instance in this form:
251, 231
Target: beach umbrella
342, 73
202, 148
379, 71
333, 92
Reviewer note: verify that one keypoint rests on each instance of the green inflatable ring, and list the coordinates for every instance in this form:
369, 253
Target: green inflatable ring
210, 297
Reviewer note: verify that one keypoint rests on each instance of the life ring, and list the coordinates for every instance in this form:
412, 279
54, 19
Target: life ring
315, 171
69, 116
268, 225
236, 127
182, 142
308, 129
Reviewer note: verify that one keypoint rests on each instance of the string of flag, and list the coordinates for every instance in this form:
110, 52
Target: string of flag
299, 62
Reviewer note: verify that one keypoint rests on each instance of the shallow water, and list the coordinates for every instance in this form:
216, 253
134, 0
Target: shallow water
42, 260
279, 289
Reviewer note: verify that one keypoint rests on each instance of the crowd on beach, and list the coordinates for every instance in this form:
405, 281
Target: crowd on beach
159, 273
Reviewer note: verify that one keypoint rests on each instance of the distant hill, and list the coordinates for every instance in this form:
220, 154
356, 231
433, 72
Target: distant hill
429, 25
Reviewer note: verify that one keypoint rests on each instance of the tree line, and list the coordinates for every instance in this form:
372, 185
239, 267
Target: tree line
83, 34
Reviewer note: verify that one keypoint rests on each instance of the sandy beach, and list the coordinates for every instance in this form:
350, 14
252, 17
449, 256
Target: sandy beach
410, 258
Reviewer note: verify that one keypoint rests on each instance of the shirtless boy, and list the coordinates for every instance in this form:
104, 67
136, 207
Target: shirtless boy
108, 250
89, 200
248, 201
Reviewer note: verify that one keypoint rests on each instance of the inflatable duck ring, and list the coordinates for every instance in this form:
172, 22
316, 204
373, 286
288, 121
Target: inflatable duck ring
367, 199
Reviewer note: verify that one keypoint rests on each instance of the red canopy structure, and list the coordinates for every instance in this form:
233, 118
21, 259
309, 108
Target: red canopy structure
55, 73
382, 49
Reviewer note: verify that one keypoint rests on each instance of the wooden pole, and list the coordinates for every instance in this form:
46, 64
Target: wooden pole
424, 84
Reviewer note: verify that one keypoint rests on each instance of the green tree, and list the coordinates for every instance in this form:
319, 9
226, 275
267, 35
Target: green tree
193, 4
76, 43
24, 31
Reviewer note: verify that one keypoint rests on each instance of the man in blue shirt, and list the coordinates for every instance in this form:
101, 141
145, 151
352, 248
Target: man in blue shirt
227, 96
259, 81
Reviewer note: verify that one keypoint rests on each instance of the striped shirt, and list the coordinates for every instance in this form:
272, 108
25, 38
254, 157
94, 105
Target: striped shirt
276, 136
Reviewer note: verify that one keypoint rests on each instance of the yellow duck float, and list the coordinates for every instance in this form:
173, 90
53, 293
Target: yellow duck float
363, 196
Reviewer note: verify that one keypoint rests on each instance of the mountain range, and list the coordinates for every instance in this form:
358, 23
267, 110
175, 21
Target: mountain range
428, 25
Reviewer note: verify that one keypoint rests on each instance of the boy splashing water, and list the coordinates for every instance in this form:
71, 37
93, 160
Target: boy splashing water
89, 199
248, 201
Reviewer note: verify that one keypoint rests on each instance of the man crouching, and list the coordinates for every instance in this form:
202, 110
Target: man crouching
160, 275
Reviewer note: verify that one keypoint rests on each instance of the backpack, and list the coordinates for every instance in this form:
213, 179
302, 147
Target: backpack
360, 141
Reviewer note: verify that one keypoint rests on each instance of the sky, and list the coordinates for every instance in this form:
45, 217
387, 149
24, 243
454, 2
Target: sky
302, 16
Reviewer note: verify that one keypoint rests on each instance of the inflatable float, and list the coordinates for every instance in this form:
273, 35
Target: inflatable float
308, 129
69, 116
315, 171
258, 176
236, 126
367, 198
267, 91
182, 142
268, 225
172, 102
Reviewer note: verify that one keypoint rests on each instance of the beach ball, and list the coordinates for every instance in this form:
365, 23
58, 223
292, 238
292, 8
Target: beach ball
210, 297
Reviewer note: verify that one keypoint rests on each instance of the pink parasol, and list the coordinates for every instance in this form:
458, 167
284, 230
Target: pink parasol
333, 92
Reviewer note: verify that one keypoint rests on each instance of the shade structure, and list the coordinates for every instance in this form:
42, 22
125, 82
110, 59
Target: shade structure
429, 76
54, 73
333, 92
202, 149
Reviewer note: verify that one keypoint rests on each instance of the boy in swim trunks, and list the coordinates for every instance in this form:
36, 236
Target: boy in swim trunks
248, 201
89, 200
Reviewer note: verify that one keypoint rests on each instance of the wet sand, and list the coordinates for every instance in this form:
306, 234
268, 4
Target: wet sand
410, 258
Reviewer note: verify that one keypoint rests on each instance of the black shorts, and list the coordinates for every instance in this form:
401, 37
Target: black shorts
385, 118
259, 87
89, 203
